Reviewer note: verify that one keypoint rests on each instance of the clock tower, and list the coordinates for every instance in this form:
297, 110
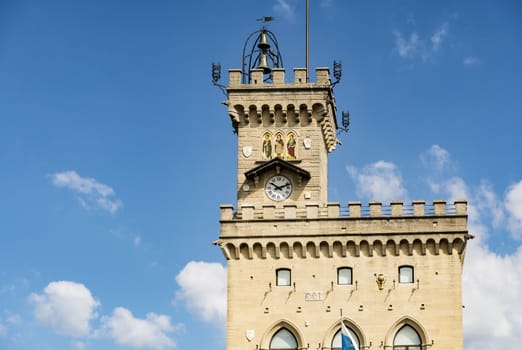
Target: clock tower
299, 265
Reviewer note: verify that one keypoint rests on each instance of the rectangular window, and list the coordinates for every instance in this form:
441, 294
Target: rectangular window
344, 275
283, 277
405, 274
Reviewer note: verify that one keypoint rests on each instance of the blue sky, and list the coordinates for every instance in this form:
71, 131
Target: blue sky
116, 153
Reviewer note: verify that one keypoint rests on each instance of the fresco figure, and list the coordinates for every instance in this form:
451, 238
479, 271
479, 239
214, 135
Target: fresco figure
267, 147
290, 146
279, 145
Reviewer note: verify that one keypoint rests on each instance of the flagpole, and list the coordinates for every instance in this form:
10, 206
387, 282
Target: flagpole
307, 41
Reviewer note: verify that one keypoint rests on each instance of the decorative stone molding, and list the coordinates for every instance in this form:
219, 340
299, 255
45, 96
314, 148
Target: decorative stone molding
340, 247
314, 101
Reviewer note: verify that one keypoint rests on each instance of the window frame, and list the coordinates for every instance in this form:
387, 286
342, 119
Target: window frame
417, 346
404, 267
339, 269
280, 270
288, 332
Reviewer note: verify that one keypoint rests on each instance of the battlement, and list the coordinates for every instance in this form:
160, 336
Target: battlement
257, 78
373, 230
334, 210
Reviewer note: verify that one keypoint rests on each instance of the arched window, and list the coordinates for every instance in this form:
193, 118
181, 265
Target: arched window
407, 338
406, 274
344, 275
337, 342
283, 339
283, 277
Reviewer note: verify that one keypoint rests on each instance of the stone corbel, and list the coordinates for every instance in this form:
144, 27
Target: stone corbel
283, 116
259, 115
234, 115
271, 114
297, 116
309, 115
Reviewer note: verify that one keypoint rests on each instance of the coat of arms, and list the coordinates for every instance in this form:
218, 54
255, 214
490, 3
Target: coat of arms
247, 151
249, 334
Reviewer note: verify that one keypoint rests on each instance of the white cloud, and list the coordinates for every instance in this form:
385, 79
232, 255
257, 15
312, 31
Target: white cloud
91, 192
204, 289
488, 202
66, 307
438, 37
408, 48
513, 205
3, 330
471, 61
136, 240
378, 181
285, 8
492, 293
413, 46
492, 284
436, 157
150, 332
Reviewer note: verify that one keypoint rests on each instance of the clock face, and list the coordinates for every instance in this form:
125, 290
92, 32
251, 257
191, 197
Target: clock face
278, 188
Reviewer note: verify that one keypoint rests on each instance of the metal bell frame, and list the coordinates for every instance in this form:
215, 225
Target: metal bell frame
261, 55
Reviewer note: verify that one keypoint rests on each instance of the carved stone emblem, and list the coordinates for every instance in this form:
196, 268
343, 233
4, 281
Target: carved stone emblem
314, 296
307, 142
249, 334
247, 151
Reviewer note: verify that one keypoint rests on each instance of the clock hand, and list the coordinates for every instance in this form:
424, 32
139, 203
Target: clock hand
277, 187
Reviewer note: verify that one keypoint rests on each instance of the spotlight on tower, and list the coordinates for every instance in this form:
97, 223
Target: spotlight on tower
345, 121
216, 76
337, 72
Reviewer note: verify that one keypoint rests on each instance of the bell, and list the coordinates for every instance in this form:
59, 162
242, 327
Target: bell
263, 63
263, 42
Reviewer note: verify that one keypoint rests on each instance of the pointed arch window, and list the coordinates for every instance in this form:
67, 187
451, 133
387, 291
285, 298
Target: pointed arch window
407, 338
283, 339
337, 342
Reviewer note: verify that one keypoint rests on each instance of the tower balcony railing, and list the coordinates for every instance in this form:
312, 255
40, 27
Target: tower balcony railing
374, 209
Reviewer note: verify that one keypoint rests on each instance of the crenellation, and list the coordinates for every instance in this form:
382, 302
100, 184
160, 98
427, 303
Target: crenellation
234, 77
375, 209
418, 207
257, 76
354, 209
278, 76
396, 208
299, 75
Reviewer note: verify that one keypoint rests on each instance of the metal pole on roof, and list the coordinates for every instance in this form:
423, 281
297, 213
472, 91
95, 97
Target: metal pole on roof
307, 66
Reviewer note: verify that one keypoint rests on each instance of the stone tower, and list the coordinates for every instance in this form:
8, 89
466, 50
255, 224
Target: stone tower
298, 264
